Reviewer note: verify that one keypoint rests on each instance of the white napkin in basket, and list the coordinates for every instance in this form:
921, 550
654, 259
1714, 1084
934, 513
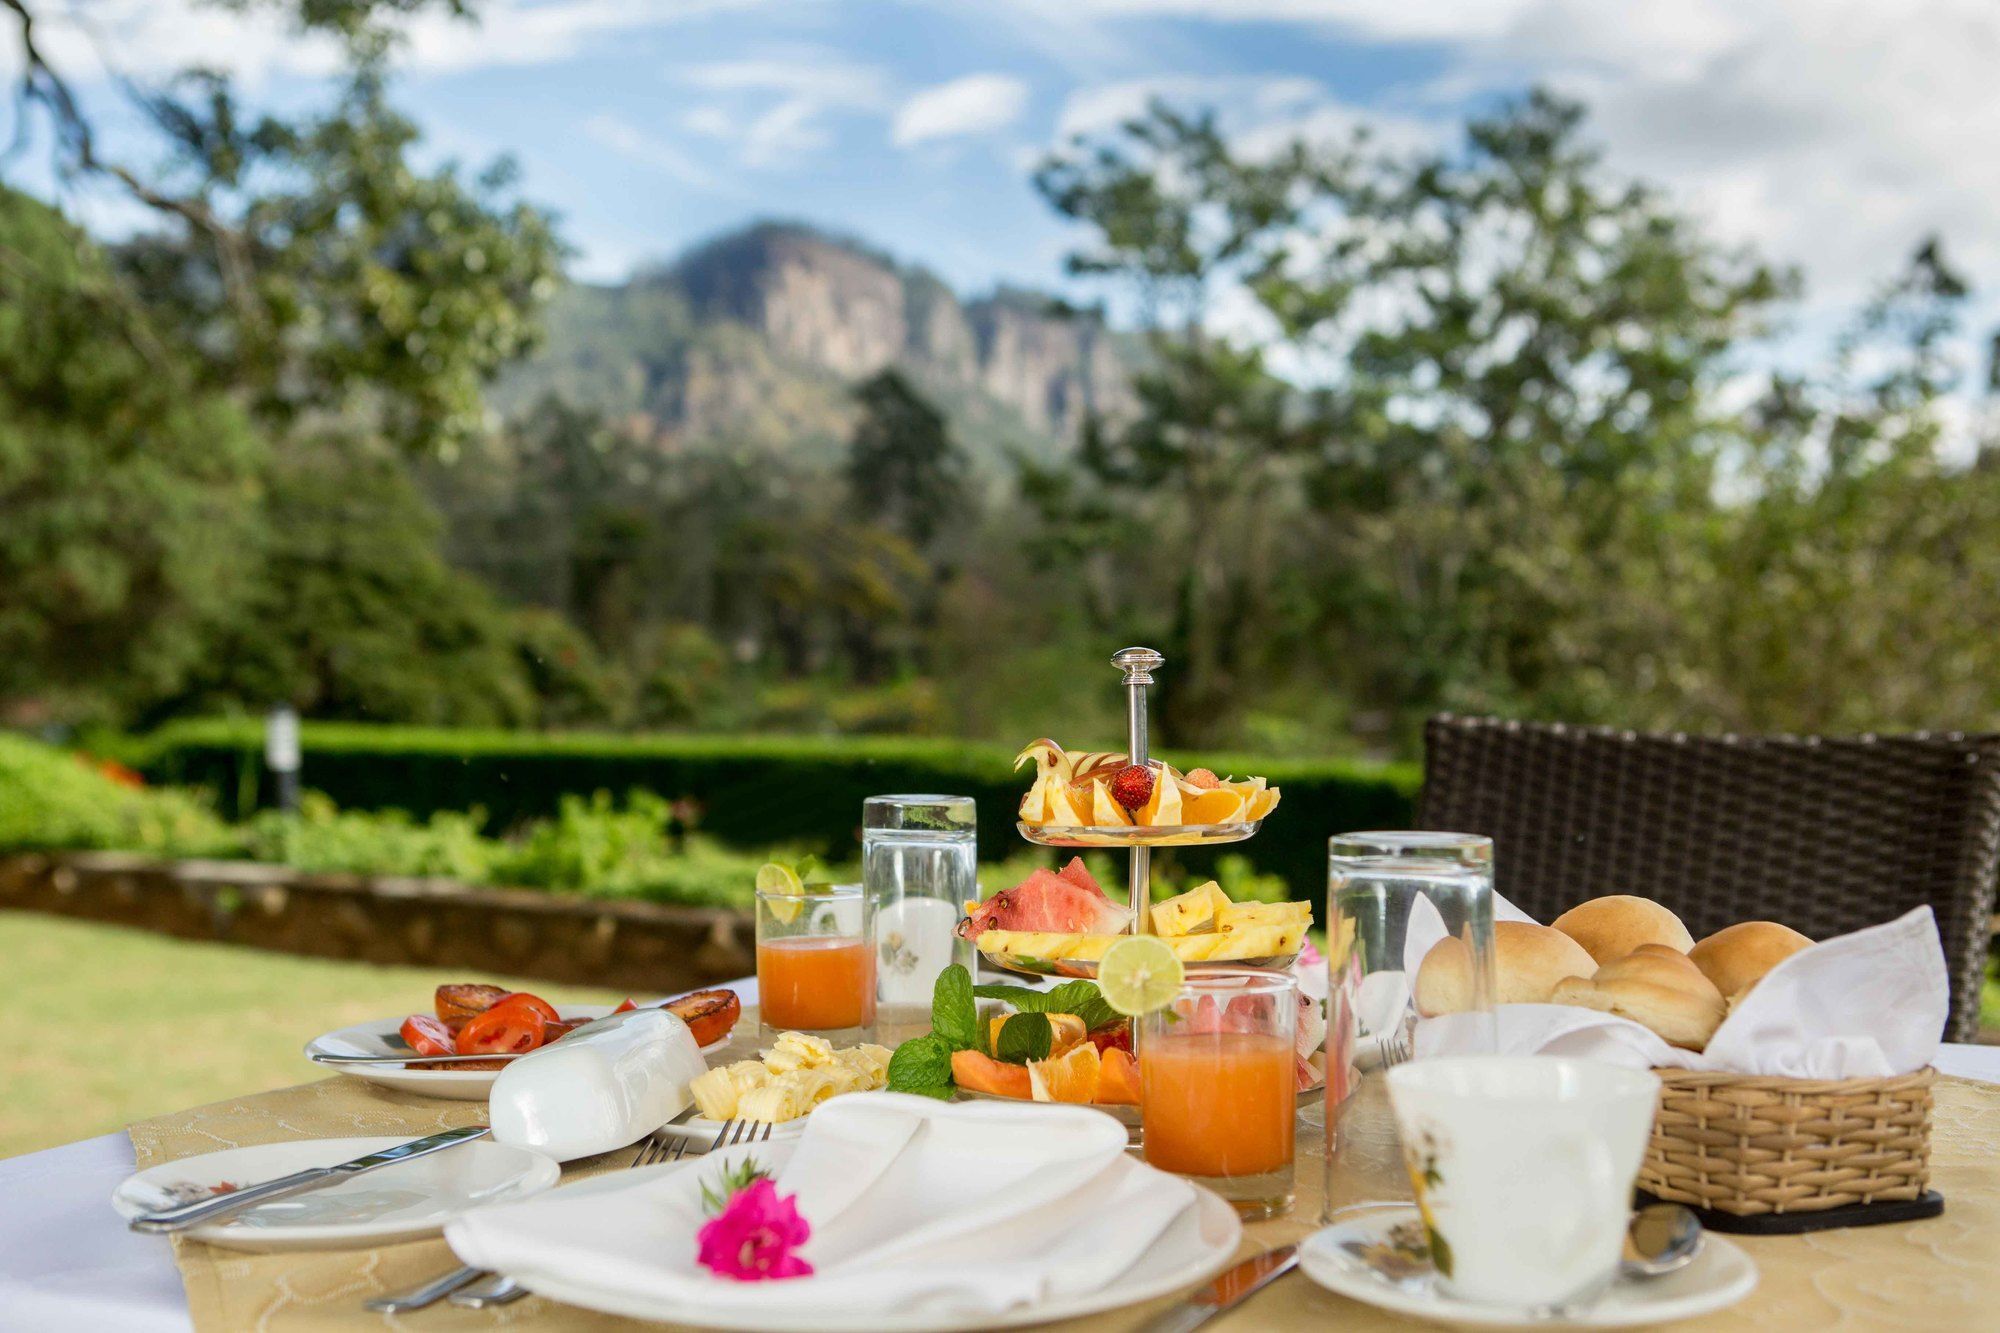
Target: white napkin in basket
1868, 1004
914, 1205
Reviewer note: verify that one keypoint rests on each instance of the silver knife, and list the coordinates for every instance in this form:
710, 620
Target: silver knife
221, 1205
1234, 1287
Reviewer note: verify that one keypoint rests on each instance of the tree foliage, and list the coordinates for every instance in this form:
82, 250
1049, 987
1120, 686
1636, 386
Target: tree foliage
126, 489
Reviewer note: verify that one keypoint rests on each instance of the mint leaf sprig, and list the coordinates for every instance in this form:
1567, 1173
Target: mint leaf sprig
922, 1065
1081, 998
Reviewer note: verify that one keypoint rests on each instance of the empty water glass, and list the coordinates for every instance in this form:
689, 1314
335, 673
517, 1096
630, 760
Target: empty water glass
920, 861
1391, 899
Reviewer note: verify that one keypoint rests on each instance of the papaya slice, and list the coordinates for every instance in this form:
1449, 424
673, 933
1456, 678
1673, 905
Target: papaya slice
982, 1073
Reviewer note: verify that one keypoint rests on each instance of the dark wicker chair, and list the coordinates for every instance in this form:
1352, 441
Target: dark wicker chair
1825, 835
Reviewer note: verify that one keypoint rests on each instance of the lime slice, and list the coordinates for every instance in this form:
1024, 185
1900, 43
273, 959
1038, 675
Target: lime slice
775, 878
1140, 974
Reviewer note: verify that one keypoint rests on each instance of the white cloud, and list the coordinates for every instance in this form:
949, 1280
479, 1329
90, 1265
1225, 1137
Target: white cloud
1256, 112
634, 144
152, 38
775, 109
975, 104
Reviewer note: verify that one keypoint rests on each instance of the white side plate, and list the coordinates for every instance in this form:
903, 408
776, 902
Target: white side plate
392, 1203
381, 1037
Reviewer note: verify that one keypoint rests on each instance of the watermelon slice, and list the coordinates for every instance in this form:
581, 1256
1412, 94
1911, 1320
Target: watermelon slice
1069, 903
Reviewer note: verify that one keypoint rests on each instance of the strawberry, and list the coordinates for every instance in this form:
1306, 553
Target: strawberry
1133, 786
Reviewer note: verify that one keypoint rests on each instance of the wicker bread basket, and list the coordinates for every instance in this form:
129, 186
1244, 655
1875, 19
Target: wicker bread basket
1747, 1146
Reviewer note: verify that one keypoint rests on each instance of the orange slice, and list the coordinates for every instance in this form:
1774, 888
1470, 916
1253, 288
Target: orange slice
1217, 805
1163, 807
1262, 803
1069, 1077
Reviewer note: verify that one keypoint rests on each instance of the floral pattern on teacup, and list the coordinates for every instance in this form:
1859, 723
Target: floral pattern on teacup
1420, 1159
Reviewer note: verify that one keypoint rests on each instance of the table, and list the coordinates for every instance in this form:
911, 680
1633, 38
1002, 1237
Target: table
66, 1262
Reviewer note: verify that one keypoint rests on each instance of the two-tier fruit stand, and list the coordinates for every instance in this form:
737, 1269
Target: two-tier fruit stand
1137, 666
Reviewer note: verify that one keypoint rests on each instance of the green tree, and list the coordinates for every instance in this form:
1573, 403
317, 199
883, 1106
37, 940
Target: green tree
1176, 215
319, 270
128, 493
904, 470
354, 614
1484, 479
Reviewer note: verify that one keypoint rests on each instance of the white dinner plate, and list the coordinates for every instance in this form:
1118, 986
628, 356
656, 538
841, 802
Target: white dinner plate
1216, 1225
382, 1037
1721, 1275
400, 1202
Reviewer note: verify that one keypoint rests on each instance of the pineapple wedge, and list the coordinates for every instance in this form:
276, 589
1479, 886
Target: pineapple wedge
1197, 909
1208, 947
1035, 805
1262, 941
1232, 917
1105, 812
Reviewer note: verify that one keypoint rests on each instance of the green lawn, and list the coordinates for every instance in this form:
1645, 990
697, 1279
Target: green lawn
105, 1026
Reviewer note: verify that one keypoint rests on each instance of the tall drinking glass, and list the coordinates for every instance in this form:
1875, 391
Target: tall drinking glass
1391, 898
816, 962
1217, 1099
920, 861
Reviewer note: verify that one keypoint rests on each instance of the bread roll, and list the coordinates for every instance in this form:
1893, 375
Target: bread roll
1528, 961
1736, 957
1657, 987
1609, 928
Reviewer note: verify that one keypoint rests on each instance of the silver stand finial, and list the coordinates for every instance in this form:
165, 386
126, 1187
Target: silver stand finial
1137, 664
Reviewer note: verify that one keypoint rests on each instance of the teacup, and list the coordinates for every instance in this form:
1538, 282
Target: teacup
1523, 1169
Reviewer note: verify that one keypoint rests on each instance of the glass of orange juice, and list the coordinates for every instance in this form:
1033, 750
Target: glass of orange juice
1218, 1098
816, 962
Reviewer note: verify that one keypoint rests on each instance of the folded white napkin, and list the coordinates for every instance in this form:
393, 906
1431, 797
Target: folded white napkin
914, 1204
1869, 1004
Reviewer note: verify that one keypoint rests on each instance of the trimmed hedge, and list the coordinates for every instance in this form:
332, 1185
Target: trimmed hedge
756, 791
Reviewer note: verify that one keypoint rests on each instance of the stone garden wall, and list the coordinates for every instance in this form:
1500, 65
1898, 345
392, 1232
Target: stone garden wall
468, 931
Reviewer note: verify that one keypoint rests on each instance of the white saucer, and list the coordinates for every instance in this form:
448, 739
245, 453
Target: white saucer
392, 1203
1720, 1276
382, 1037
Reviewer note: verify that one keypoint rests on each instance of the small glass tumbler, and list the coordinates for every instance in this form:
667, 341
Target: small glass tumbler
1391, 899
816, 962
920, 861
1217, 1097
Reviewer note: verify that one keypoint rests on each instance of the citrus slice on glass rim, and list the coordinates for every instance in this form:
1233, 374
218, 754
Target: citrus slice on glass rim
1139, 974
773, 877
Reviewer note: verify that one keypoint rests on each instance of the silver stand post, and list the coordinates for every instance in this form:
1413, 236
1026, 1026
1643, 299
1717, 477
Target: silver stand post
1138, 665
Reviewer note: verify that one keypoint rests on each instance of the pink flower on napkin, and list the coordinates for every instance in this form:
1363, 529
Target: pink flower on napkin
753, 1238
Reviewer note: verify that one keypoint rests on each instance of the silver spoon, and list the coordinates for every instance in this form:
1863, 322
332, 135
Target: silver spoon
1660, 1238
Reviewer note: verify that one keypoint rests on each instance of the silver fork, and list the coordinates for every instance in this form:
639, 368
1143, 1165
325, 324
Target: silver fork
495, 1289
491, 1288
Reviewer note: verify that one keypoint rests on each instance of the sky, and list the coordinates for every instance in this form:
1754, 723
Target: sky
1832, 134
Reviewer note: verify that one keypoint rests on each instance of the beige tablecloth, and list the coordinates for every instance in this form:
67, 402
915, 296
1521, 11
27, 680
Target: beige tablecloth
1938, 1274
